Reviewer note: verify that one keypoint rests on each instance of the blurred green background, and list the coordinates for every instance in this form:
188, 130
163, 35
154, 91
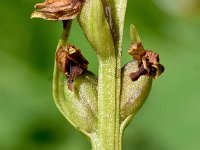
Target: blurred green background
170, 119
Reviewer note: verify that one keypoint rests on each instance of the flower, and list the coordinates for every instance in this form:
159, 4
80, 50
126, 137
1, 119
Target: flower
57, 9
71, 62
149, 62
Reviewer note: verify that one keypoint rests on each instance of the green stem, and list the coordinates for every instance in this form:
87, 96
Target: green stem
66, 31
102, 22
107, 104
118, 137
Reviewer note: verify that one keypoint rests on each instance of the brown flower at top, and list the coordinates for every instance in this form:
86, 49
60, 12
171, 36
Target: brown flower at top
149, 62
57, 9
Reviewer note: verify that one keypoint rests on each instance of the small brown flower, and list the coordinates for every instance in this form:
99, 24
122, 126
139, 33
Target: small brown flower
71, 62
149, 62
57, 9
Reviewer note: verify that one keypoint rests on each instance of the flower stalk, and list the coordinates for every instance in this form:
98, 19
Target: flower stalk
99, 107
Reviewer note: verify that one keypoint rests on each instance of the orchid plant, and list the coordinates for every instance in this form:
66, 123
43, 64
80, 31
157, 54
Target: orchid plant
99, 106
